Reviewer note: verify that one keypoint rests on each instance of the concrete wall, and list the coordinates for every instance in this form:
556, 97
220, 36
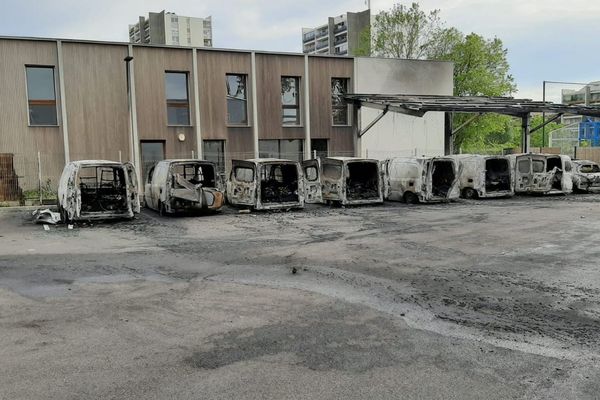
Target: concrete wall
398, 134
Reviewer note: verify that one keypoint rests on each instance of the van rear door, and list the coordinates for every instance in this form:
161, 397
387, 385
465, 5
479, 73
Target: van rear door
313, 192
241, 187
132, 187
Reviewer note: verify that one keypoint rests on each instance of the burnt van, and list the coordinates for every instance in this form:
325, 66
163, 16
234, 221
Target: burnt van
266, 184
91, 190
421, 179
543, 173
183, 186
351, 181
485, 176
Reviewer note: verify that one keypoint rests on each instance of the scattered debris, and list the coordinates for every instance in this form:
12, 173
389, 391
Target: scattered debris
46, 217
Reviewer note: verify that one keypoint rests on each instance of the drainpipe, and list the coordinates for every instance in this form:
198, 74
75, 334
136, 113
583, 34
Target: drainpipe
254, 105
307, 144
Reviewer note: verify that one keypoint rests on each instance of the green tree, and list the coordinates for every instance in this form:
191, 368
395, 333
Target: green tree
481, 67
402, 32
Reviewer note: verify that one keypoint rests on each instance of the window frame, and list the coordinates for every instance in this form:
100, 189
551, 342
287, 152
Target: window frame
246, 100
296, 106
28, 101
177, 103
333, 107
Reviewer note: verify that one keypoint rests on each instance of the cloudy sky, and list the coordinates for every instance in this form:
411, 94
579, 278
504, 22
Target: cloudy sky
553, 40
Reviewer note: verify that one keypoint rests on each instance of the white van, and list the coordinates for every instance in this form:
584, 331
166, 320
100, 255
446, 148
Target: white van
543, 173
183, 185
421, 179
482, 176
351, 181
266, 184
98, 190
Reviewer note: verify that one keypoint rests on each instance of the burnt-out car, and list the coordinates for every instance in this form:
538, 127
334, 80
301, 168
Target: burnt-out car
586, 176
174, 186
266, 184
351, 181
98, 190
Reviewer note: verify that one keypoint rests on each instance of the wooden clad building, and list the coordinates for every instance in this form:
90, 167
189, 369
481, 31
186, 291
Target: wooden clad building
72, 100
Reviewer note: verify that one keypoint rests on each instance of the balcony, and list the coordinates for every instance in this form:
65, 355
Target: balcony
322, 33
339, 28
307, 37
322, 44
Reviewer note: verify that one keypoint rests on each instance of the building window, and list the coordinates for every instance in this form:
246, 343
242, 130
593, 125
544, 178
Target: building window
214, 150
319, 148
292, 149
152, 152
237, 107
339, 107
41, 96
178, 105
290, 100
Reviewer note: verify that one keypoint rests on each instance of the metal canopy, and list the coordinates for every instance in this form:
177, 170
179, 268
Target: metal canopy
419, 105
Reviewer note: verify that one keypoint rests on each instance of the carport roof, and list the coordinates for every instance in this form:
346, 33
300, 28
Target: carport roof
418, 105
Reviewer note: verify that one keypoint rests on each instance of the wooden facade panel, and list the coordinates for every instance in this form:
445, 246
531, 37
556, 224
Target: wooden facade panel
212, 68
96, 97
270, 68
321, 70
150, 65
16, 136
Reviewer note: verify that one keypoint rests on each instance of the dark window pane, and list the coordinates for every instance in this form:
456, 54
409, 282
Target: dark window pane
40, 83
319, 146
291, 149
268, 148
339, 88
284, 149
236, 111
42, 114
176, 87
236, 99
41, 96
214, 150
152, 152
178, 115
176, 91
291, 116
340, 116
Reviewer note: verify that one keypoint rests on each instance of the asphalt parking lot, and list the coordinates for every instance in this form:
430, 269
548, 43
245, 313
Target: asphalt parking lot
477, 299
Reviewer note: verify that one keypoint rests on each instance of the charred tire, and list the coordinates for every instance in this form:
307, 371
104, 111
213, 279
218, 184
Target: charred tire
410, 198
469, 193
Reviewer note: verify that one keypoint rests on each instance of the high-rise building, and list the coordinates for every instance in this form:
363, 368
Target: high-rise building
167, 28
339, 36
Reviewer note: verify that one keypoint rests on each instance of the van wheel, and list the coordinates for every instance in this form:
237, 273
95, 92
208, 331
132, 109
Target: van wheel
410, 198
469, 193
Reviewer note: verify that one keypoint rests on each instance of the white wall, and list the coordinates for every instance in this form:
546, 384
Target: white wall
398, 134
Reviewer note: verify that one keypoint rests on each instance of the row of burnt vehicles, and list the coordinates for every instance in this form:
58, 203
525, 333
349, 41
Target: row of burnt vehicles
90, 190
